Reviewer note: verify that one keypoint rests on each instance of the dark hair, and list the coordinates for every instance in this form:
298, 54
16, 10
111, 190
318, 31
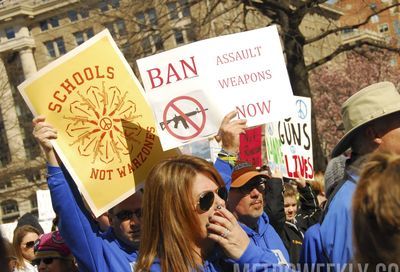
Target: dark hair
3, 255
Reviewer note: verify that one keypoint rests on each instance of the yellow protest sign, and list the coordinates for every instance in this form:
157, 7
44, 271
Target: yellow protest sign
106, 130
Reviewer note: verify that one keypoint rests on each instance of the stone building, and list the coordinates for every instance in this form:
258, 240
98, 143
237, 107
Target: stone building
33, 33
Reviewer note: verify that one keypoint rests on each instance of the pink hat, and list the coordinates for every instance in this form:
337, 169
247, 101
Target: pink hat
52, 245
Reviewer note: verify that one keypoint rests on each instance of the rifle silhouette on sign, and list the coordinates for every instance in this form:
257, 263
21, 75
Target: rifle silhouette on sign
177, 119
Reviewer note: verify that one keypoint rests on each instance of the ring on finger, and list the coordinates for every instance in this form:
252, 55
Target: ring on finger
225, 233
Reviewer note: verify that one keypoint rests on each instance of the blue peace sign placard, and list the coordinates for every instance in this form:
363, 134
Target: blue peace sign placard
302, 110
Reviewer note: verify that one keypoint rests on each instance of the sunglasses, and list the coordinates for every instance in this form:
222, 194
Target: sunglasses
29, 244
259, 184
206, 199
128, 215
47, 260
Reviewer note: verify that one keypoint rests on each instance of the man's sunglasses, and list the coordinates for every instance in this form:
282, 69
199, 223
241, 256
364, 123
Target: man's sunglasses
259, 184
47, 260
29, 244
206, 199
128, 215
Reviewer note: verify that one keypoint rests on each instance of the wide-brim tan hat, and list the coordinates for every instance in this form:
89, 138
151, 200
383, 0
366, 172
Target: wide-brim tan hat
371, 103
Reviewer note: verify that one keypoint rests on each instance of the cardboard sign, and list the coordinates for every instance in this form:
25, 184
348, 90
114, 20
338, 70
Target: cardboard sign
289, 142
191, 88
250, 146
106, 131
45, 207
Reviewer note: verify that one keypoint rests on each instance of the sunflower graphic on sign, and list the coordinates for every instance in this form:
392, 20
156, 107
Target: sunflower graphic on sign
95, 123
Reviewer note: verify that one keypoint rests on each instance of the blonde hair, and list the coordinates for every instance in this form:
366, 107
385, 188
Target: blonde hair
289, 190
19, 234
376, 211
170, 223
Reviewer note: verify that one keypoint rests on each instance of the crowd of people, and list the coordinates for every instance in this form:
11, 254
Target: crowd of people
230, 216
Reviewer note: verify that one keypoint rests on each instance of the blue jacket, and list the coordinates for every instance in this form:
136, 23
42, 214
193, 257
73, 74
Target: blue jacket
336, 229
312, 250
268, 240
95, 251
272, 251
330, 243
253, 259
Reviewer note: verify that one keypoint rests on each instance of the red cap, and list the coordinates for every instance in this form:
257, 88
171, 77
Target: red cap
52, 245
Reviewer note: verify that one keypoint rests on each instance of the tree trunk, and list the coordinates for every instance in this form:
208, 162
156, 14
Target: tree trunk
293, 44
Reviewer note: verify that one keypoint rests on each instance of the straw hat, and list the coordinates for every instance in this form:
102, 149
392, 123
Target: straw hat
371, 103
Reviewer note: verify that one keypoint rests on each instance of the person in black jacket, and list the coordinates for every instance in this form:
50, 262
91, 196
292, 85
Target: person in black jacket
281, 198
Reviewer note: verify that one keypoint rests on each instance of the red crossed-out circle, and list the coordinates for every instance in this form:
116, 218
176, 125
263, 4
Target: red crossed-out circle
198, 128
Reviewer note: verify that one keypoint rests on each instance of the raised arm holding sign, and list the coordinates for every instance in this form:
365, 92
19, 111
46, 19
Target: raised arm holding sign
90, 108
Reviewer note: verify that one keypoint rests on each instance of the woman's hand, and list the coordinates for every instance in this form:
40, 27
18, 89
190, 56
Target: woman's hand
43, 133
226, 231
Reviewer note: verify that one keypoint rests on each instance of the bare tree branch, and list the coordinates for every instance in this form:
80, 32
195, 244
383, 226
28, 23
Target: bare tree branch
348, 47
355, 26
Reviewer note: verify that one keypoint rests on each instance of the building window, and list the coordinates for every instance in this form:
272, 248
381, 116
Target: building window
103, 6
5, 183
178, 9
121, 27
55, 48
117, 28
53, 22
375, 19
9, 207
43, 25
82, 36
347, 30
115, 4
173, 10
110, 27
84, 13
383, 28
151, 13
10, 33
33, 175
72, 15
185, 8
178, 36
147, 21
34, 202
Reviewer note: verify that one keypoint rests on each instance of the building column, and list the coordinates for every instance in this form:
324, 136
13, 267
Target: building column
27, 61
10, 118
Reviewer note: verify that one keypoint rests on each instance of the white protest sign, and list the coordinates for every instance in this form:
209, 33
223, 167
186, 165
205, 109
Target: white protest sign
7, 230
192, 87
289, 141
45, 208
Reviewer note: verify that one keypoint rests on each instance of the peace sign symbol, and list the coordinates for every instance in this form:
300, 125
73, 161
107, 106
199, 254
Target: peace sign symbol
301, 109
105, 123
